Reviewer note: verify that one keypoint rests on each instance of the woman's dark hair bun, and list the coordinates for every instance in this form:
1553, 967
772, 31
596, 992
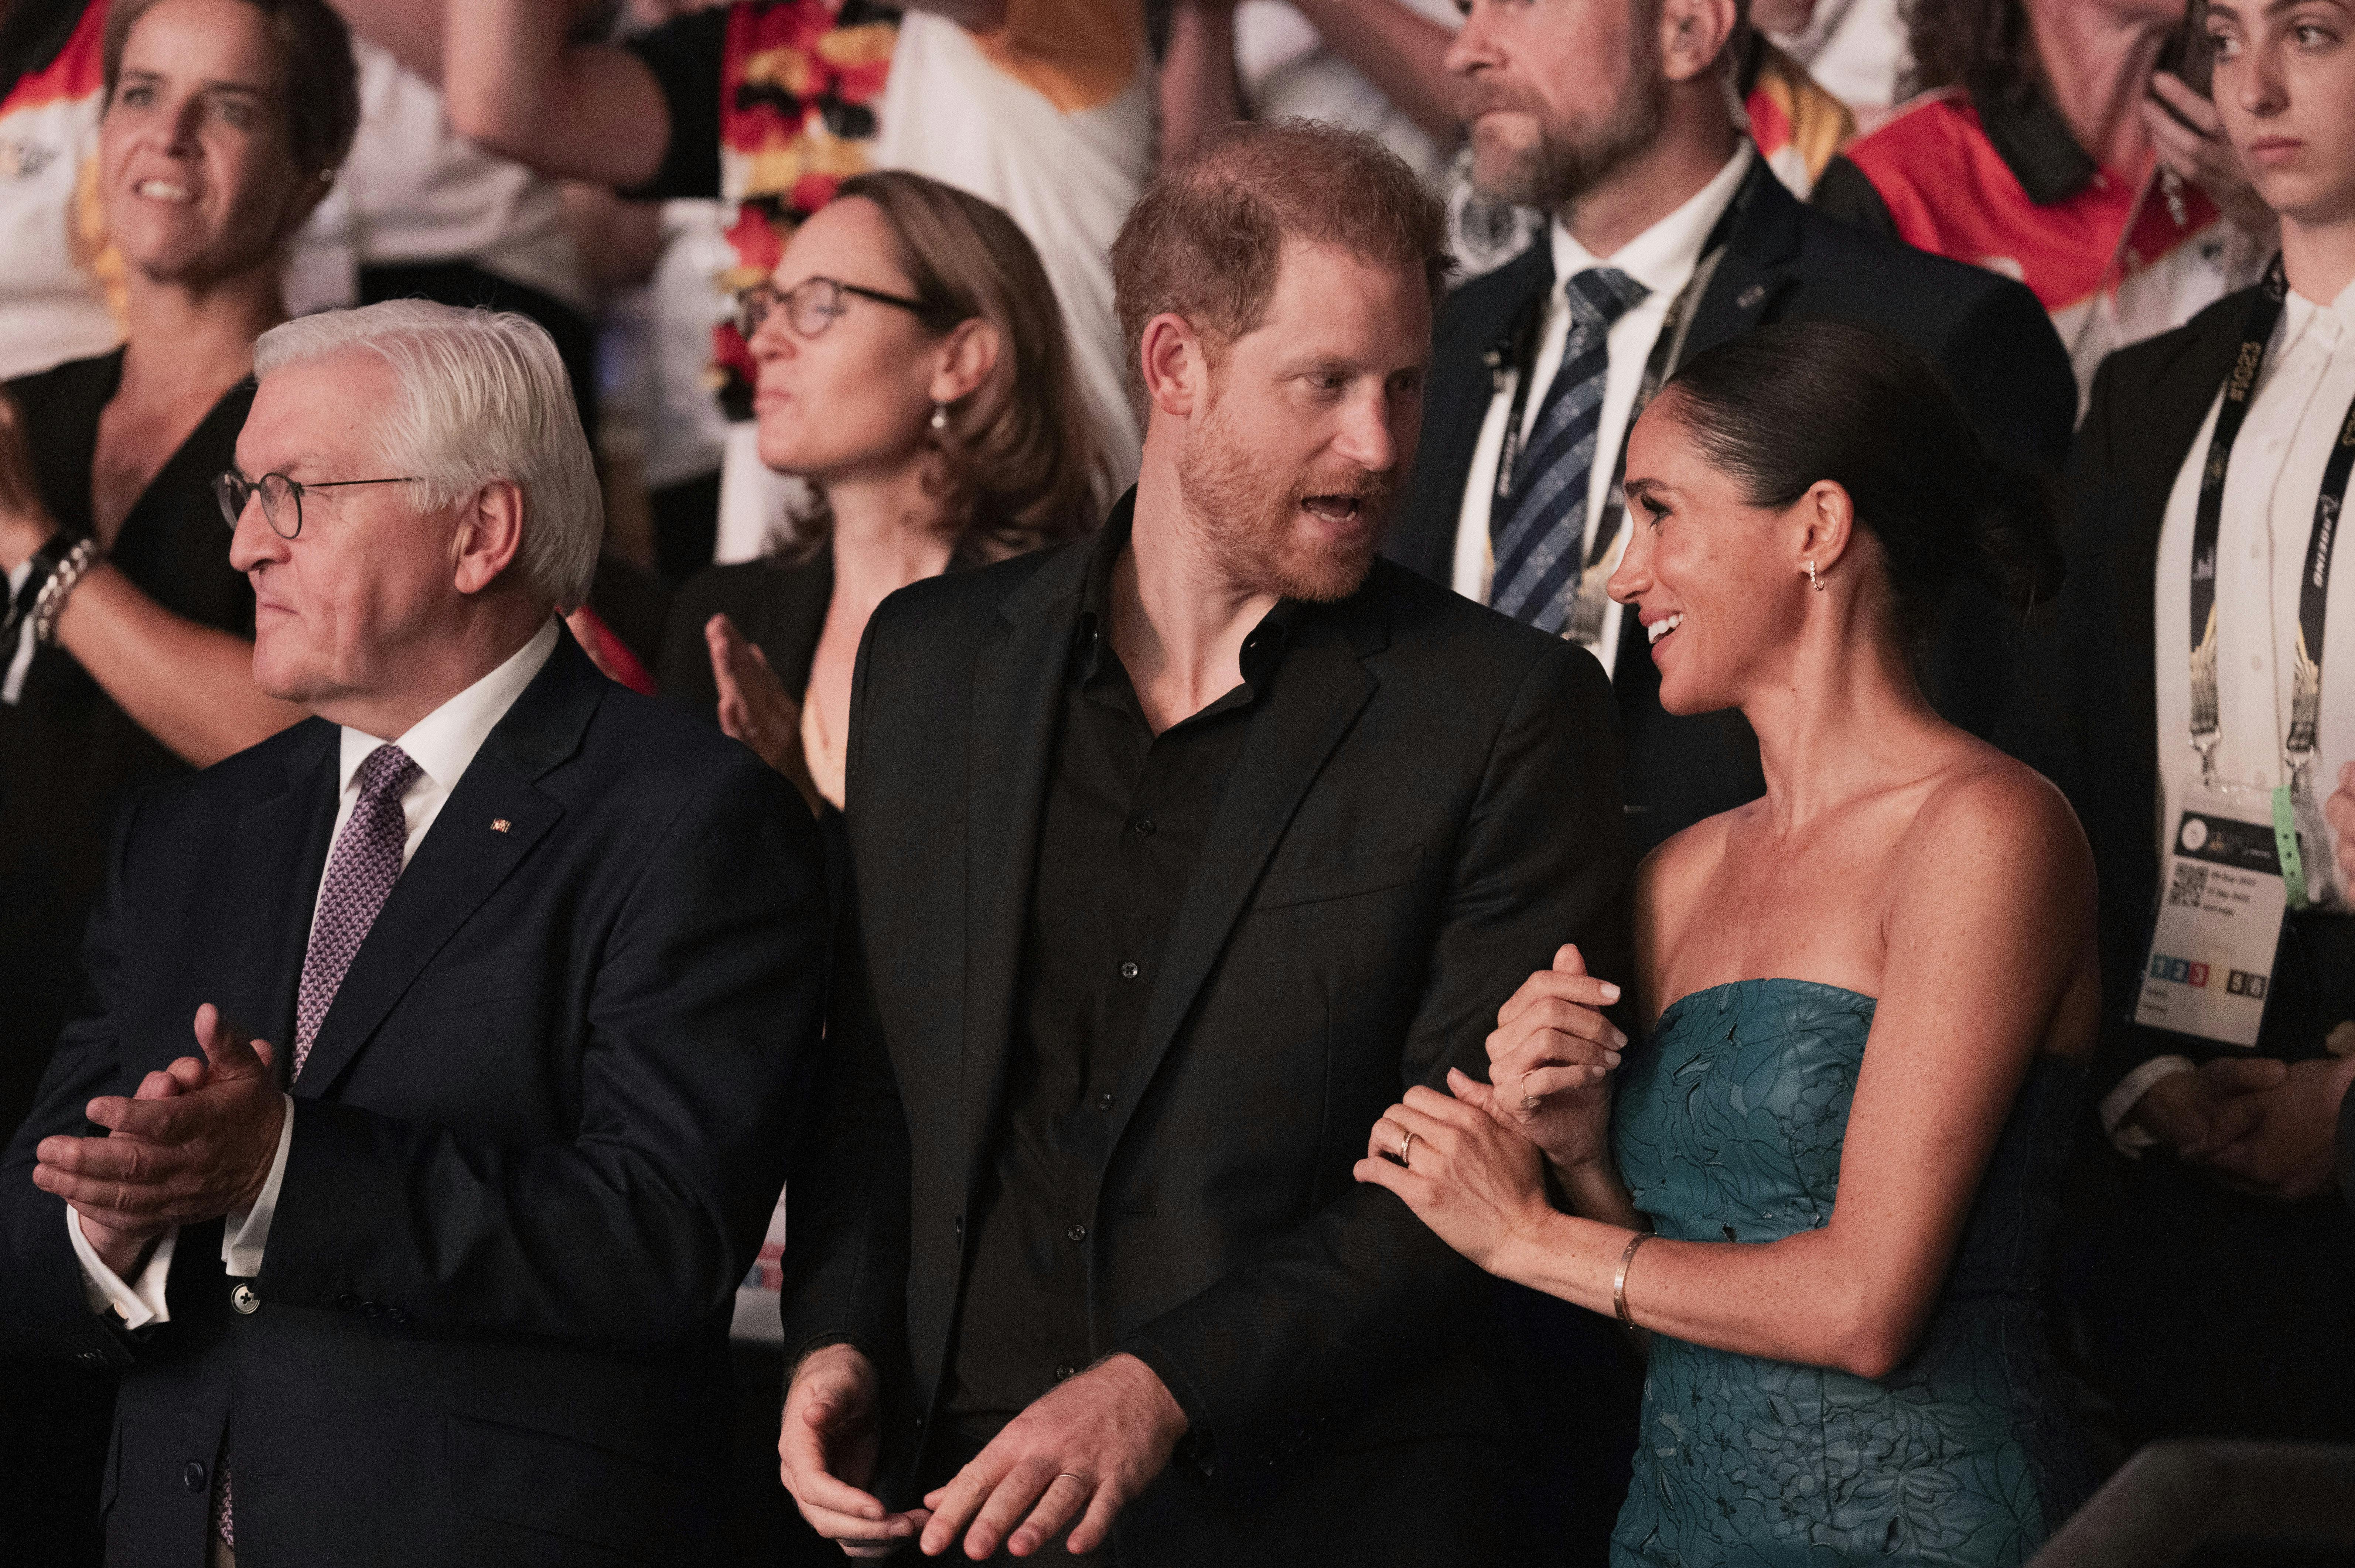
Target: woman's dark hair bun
2019, 560
1784, 407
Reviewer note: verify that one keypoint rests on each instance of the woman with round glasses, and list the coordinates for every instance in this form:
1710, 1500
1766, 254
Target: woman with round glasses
126, 655
914, 371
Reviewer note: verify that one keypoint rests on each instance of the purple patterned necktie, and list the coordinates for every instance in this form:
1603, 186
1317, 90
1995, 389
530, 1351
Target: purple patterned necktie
361, 870
360, 873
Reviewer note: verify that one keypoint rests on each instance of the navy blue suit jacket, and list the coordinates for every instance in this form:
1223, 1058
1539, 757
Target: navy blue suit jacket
535, 1144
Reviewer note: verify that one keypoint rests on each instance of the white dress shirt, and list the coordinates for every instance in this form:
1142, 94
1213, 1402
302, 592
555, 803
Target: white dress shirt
1662, 259
442, 744
2302, 395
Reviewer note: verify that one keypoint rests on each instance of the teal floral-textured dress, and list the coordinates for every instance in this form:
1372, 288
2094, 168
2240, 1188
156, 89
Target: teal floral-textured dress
1729, 1128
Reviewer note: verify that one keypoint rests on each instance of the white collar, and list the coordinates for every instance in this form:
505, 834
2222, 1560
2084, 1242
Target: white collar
444, 741
1662, 257
2334, 319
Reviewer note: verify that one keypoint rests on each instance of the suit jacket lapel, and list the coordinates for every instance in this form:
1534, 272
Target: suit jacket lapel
1750, 282
463, 859
1018, 691
1319, 689
281, 850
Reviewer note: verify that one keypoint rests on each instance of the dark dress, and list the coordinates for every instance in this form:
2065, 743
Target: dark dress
1728, 1127
68, 759
69, 756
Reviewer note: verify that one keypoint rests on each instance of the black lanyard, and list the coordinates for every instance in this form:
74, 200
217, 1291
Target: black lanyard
2314, 574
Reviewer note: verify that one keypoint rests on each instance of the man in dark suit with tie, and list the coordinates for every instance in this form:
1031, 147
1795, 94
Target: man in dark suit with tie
1175, 851
1669, 236
439, 1269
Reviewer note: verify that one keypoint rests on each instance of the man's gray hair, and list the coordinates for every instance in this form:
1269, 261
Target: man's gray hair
482, 396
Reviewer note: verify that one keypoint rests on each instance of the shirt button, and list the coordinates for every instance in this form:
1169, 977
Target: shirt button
1066, 1370
1145, 825
958, 1224
192, 1475
1077, 1233
2256, 661
244, 1300
1129, 971
1104, 1101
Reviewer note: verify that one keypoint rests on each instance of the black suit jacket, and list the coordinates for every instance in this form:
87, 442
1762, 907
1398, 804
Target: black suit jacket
535, 1144
2091, 717
1987, 335
1425, 808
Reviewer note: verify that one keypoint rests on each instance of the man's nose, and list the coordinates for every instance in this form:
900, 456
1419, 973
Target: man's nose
253, 541
1365, 437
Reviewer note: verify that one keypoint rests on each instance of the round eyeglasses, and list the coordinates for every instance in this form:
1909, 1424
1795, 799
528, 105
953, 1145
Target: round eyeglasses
282, 498
812, 304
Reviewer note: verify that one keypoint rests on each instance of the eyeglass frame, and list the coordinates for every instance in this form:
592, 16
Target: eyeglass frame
294, 488
933, 315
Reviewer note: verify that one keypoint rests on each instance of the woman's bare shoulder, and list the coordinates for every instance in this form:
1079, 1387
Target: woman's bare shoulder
1991, 814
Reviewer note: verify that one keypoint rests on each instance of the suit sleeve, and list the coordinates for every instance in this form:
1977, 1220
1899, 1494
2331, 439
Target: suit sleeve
702, 1023
1280, 1346
846, 1266
2080, 675
44, 1309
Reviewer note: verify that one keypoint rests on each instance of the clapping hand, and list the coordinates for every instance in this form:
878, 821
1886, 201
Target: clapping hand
826, 1449
195, 1142
754, 706
1549, 1062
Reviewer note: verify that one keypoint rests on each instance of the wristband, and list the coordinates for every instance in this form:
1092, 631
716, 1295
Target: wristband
62, 581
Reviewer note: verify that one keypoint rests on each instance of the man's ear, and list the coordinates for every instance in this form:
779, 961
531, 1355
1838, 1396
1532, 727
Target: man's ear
1173, 361
1695, 36
490, 535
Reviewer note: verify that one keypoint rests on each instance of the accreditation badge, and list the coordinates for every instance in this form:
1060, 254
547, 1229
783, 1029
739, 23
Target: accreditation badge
2221, 906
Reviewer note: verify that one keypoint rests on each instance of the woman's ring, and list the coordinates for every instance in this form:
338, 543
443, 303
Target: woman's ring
1406, 1147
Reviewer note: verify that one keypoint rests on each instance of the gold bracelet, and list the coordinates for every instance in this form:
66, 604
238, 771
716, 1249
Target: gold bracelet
1619, 1281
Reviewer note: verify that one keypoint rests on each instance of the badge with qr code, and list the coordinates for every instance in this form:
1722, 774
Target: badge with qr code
2221, 905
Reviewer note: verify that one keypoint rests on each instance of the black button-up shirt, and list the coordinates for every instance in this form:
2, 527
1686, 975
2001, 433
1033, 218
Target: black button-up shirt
1125, 818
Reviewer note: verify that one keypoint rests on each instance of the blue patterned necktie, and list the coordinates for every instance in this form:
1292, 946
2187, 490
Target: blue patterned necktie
1538, 530
361, 870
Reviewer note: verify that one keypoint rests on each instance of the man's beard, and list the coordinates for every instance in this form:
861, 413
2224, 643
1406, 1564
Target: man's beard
1244, 509
1566, 163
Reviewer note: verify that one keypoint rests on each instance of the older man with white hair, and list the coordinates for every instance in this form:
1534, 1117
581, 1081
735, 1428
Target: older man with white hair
438, 1269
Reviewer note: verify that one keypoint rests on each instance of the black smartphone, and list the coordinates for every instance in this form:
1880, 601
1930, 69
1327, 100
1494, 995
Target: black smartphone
2188, 57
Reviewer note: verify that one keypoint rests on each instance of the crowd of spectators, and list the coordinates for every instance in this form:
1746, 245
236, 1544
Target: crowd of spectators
834, 286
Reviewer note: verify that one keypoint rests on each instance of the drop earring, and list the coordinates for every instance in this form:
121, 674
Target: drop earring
940, 416
1812, 580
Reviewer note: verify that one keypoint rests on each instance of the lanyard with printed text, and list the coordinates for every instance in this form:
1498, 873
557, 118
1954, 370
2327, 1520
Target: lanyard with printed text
2314, 570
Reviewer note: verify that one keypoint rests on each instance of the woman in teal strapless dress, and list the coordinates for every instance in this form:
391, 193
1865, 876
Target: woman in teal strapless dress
1825, 1198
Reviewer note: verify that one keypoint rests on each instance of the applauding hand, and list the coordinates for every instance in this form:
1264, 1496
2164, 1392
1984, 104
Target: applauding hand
1549, 1062
194, 1144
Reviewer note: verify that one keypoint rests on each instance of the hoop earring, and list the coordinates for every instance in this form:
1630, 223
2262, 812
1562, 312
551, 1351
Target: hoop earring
1812, 580
940, 416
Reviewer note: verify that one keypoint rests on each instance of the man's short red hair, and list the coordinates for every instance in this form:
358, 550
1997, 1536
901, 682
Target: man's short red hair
1206, 238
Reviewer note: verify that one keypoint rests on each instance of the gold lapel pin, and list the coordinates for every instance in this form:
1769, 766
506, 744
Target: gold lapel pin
500, 824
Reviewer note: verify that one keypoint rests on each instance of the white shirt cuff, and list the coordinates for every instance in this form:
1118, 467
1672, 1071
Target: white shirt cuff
244, 1235
2129, 1139
140, 1303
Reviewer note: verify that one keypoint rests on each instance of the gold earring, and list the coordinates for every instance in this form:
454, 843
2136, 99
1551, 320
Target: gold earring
1812, 580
